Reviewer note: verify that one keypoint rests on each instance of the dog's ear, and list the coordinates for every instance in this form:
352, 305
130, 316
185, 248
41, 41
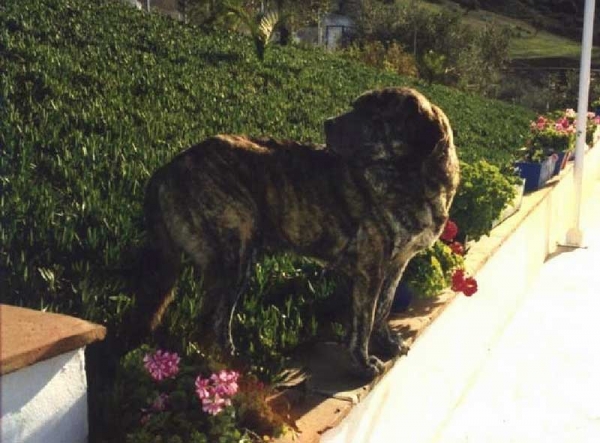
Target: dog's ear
442, 161
344, 135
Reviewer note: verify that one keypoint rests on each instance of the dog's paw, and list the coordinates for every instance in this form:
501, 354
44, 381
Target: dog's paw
377, 364
372, 368
389, 344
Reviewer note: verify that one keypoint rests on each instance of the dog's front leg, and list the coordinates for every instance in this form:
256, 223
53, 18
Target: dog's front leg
367, 275
364, 300
384, 341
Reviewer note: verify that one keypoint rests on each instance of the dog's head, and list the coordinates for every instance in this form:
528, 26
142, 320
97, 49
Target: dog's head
389, 124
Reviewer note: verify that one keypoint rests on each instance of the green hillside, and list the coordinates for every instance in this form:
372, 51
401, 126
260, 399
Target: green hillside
96, 95
535, 36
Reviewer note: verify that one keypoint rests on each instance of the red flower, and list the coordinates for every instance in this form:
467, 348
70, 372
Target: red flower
470, 286
461, 283
457, 248
450, 231
458, 279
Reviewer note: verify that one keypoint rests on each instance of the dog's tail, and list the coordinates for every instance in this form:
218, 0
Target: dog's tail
159, 268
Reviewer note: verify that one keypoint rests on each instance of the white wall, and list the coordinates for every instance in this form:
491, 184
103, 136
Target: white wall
46, 402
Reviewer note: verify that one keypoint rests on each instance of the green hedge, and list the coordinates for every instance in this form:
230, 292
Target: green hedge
95, 95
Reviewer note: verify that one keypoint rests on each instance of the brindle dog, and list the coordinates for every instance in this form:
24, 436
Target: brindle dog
365, 204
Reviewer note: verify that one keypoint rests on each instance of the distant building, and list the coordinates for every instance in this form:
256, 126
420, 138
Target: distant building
334, 28
135, 3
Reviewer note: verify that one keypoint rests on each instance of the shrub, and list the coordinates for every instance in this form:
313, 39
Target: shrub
279, 312
472, 58
482, 195
430, 271
433, 66
391, 57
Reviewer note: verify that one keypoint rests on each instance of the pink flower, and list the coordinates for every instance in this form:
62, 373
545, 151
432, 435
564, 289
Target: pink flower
591, 115
540, 123
597, 120
216, 391
203, 388
563, 124
162, 364
225, 382
213, 405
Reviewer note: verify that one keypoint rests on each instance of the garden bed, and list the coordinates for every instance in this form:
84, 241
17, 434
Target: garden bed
506, 261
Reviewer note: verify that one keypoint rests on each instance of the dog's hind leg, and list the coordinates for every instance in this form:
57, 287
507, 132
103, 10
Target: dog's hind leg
160, 265
237, 285
226, 268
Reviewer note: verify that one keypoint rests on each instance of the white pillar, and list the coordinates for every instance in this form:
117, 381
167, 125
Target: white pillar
575, 234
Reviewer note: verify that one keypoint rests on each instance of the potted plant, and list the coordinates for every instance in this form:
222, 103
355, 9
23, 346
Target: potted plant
553, 136
548, 141
536, 170
435, 269
483, 193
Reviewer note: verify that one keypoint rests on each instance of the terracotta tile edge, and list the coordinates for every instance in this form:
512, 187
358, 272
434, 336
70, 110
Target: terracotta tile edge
47, 351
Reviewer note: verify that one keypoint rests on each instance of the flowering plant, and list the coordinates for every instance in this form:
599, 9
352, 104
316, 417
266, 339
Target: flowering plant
214, 392
461, 282
556, 133
164, 399
550, 136
162, 365
439, 267
593, 121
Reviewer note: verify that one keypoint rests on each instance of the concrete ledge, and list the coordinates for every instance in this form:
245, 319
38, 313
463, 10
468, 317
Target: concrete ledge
28, 336
43, 385
505, 263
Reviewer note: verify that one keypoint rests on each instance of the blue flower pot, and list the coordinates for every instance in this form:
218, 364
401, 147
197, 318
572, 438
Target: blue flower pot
536, 174
561, 161
402, 298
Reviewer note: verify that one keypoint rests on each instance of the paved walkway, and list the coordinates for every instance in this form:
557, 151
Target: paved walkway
533, 379
541, 382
